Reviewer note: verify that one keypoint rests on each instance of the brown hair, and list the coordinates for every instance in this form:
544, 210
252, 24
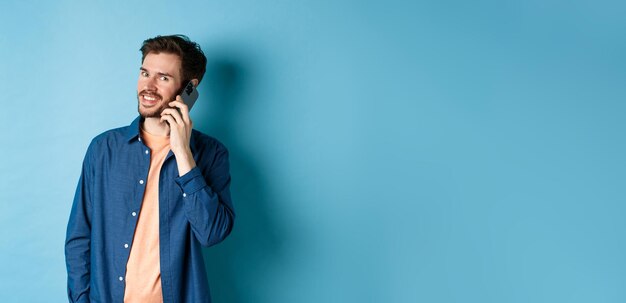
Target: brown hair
192, 57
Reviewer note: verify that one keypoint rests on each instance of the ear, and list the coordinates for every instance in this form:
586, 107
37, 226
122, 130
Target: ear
195, 82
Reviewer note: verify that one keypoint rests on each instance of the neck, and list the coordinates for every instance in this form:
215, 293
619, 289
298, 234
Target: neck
155, 126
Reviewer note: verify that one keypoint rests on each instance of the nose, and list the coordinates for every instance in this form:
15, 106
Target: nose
148, 83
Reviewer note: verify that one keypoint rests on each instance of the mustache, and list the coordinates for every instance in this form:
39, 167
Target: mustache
149, 93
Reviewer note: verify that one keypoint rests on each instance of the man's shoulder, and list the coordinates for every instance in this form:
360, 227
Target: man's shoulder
110, 138
206, 143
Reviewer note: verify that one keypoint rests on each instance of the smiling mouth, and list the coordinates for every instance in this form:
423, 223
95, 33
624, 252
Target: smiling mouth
149, 100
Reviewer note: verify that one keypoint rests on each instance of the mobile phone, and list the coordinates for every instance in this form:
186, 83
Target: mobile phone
189, 94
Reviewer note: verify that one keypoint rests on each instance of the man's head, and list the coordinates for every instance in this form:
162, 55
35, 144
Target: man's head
167, 63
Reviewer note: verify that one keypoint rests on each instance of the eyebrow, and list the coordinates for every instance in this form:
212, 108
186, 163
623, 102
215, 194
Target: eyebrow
159, 73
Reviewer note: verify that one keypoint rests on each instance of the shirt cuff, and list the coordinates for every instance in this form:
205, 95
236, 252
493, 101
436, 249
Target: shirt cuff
192, 181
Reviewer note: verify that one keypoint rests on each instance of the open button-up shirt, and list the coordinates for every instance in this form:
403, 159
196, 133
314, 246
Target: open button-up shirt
195, 210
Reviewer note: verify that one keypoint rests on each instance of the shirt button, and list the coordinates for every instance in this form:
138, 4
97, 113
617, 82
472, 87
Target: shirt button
147, 152
139, 138
140, 181
125, 245
121, 278
184, 195
134, 214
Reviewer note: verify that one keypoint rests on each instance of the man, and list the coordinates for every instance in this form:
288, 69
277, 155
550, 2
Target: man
150, 194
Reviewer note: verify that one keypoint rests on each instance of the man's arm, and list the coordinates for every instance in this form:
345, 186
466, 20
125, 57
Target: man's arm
206, 189
209, 208
78, 238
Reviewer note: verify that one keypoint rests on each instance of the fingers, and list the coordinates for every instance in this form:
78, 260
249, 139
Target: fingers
182, 107
172, 112
169, 119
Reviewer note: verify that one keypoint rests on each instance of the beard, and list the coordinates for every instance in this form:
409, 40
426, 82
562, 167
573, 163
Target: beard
154, 111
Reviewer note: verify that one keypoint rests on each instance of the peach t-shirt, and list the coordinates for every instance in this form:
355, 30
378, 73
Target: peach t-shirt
143, 270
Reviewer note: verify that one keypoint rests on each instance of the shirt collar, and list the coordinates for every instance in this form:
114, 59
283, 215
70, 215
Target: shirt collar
132, 131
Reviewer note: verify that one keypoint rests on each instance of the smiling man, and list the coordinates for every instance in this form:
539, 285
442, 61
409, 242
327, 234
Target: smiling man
150, 194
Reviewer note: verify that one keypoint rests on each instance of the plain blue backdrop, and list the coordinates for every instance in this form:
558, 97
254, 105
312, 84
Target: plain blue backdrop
382, 151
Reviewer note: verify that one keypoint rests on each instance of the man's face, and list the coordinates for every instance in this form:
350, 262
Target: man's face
159, 81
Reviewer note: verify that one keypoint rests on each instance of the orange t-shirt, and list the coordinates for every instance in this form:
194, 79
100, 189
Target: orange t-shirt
143, 270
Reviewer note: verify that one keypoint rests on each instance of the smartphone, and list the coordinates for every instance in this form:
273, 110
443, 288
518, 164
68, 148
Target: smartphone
189, 94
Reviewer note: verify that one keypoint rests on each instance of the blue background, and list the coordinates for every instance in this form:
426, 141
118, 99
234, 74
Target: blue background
382, 151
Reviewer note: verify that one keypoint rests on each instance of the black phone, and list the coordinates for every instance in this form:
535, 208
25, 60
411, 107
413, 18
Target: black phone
189, 94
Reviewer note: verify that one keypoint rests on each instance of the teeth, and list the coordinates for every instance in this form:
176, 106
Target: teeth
149, 98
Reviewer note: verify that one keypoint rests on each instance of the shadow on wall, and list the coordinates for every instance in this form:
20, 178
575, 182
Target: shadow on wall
237, 267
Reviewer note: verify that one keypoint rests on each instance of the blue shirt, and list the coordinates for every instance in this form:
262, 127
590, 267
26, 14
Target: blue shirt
195, 210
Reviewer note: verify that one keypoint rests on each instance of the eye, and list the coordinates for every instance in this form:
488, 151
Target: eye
144, 74
164, 78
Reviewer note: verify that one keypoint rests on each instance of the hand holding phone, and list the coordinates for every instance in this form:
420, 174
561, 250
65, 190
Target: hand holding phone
180, 125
